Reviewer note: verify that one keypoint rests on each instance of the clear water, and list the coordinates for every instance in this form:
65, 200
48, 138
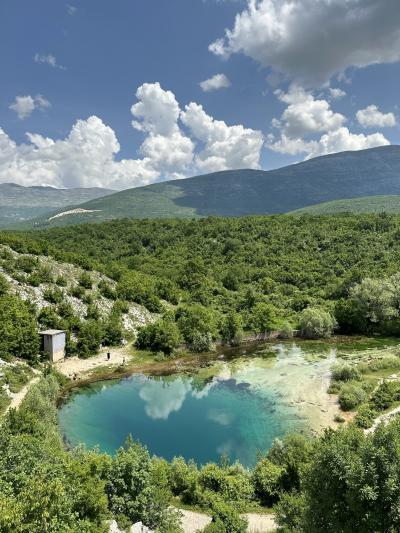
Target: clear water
234, 408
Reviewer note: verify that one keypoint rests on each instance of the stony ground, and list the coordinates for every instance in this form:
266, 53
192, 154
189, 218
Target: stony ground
136, 317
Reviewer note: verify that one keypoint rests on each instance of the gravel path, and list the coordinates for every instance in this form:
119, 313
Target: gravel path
193, 522
385, 418
75, 366
258, 523
18, 397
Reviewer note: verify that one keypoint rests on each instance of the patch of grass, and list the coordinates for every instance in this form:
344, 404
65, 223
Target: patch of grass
16, 377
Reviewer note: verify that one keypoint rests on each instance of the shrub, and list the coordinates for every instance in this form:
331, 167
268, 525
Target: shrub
18, 329
225, 519
351, 395
4, 286
162, 336
120, 307
201, 342
232, 483
61, 281
183, 480
267, 480
26, 263
286, 331
92, 312
316, 323
385, 395
85, 280
53, 296
365, 416
345, 373
107, 291
77, 292
89, 338
232, 329
131, 493
113, 331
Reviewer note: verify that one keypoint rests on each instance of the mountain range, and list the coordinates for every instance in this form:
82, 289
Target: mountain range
341, 176
18, 203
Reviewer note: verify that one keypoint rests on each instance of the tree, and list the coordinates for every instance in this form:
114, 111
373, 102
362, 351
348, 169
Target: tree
113, 332
197, 325
90, 336
130, 490
267, 480
263, 318
375, 299
316, 323
225, 519
18, 330
232, 329
353, 483
162, 336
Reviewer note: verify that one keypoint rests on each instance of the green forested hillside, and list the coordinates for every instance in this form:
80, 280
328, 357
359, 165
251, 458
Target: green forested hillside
244, 192
368, 204
240, 265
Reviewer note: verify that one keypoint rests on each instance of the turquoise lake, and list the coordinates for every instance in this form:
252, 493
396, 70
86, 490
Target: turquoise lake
234, 408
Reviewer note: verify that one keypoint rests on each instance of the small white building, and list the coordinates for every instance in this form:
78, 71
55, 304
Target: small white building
53, 343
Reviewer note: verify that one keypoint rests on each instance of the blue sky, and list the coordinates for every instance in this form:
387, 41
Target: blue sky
65, 62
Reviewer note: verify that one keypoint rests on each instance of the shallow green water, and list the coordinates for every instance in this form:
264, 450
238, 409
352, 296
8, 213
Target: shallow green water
236, 408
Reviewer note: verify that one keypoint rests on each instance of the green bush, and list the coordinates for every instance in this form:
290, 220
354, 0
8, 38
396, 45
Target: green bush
162, 336
53, 296
90, 336
267, 481
4, 286
107, 291
225, 519
345, 373
85, 280
61, 281
316, 323
26, 263
18, 329
77, 292
365, 416
351, 395
385, 395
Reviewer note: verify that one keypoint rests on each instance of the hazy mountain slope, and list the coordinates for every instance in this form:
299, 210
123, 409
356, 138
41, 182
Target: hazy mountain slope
18, 203
367, 204
242, 192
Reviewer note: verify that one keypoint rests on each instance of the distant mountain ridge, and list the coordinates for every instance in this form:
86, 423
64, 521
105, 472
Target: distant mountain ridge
19, 203
343, 175
365, 204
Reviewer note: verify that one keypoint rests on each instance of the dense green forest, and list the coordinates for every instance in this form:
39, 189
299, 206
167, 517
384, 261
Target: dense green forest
216, 278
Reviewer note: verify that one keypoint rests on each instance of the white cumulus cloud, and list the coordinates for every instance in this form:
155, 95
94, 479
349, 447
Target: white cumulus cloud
336, 93
371, 117
224, 147
305, 115
305, 118
219, 81
24, 106
312, 40
174, 146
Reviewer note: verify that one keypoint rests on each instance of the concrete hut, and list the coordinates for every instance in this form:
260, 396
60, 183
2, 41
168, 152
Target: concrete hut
53, 344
